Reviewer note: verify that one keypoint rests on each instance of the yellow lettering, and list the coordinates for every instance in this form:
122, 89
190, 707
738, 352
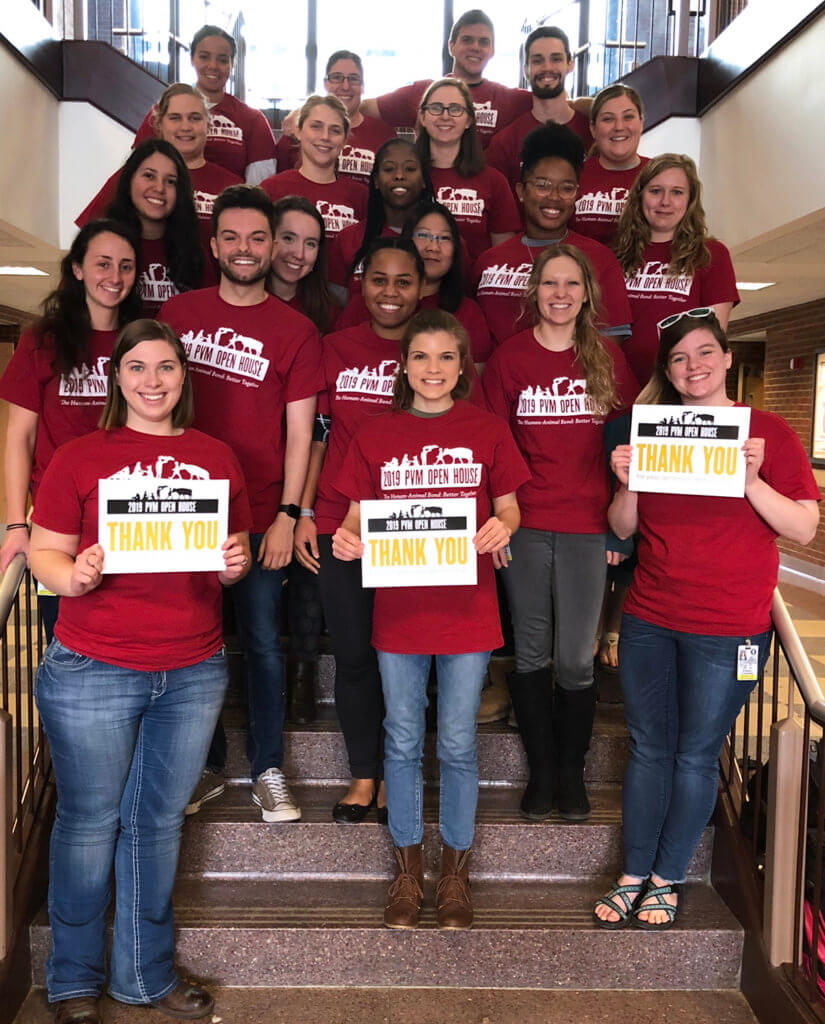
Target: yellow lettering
439, 549
166, 536
420, 557
383, 552
112, 532
373, 551
187, 533
125, 537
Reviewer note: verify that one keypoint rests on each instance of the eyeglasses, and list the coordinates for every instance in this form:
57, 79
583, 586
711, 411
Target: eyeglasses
545, 187
453, 109
336, 78
695, 314
426, 236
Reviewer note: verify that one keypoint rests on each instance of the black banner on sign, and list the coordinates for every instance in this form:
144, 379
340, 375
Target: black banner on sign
695, 431
164, 506
417, 524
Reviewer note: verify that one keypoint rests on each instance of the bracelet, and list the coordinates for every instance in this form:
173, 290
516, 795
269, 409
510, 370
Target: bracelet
307, 513
17, 526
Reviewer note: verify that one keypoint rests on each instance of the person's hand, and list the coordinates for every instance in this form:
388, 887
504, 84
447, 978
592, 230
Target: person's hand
500, 559
87, 571
305, 544
492, 536
16, 542
346, 545
289, 126
276, 545
615, 557
236, 558
620, 462
754, 452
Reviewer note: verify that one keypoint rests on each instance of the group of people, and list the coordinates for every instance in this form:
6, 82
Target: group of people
298, 320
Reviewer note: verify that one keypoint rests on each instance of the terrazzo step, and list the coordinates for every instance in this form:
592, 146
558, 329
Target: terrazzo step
525, 935
228, 839
317, 752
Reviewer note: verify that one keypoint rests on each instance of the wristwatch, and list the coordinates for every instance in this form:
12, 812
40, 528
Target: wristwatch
293, 511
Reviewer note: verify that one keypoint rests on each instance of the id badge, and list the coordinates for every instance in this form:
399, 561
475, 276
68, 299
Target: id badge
747, 663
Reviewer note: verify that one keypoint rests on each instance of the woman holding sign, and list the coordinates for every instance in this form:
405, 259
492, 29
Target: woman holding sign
130, 689
430, 448
696, 626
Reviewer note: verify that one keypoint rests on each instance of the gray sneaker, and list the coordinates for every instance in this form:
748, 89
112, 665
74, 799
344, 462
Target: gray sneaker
210, 785
271, 793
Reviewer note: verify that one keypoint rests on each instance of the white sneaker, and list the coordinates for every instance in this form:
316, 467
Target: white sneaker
271, 793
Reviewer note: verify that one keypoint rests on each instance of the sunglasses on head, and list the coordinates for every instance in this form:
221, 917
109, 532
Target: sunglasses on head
695, 314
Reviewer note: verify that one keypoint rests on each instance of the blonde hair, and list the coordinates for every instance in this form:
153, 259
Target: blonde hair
688, 250
328, 101
176, 89
588, 345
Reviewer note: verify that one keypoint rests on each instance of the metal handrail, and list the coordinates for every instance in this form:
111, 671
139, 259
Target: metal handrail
806, 681
9, 585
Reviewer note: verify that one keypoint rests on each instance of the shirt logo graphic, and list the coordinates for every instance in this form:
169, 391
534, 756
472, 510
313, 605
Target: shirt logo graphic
154, 284
204, 201
486, 114
566, 397
222, 127
434, 467
165, 467
85, 383
501, 277
461, 202
226, 350
336, 216
356, 161
610, 204
368, 380
653, 277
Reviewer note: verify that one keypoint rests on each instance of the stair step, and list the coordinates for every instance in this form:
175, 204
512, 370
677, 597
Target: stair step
526, 935
317, 752
228, 838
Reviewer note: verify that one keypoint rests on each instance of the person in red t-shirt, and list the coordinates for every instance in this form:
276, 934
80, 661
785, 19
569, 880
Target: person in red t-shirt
55, 383
323, 127
239, 137
359, 364
616, 123
448, 143
130, 688
344, 78
556, 384
299, 262
547, 62
471, 455
701, 593
551, 161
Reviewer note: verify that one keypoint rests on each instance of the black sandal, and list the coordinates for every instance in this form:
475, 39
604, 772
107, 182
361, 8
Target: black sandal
658, 892
622, 900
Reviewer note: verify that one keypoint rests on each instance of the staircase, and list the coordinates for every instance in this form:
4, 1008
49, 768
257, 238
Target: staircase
263, 906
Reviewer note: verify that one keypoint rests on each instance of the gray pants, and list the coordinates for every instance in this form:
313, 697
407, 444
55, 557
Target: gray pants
555, 586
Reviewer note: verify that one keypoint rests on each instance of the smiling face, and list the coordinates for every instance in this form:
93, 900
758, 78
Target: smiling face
154, 189
546, 67
444, 128
297, 240
696, 367
434, 241
350, 88
433, 366
212, 61
548, 197
561, 291
184, 126
243, 246
398, 177
108, 274
616, 132
322, 136
391, 289
150, 378
472, 51
665, 200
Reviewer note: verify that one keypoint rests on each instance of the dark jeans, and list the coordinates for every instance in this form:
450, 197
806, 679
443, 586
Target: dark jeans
359, 700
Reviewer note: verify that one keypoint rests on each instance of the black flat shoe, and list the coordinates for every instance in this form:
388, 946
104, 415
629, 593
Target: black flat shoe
351, 814
382, 815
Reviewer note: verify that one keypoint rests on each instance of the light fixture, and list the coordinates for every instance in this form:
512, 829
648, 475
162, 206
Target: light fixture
22, 272
753, 286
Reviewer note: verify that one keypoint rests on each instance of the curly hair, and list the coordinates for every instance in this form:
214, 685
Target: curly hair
588, 344
470, 159
688, 250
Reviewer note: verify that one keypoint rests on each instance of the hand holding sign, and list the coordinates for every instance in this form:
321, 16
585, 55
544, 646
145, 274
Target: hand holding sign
346, 545
754, 451
620, 459
492, 536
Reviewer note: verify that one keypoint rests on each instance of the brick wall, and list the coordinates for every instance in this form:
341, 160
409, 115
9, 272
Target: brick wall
797, 331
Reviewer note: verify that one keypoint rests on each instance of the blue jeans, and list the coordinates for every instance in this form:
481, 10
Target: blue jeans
257, 600
681, 696
404, 681
127, 748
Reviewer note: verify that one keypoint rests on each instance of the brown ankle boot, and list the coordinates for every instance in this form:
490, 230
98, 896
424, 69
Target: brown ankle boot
453, 902
403, 908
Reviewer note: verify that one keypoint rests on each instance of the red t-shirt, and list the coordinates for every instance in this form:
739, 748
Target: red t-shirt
154, 279
237, 135
503, 152
68, 405
436, 620
357, 157
146, 621
542, 396
481, 204
709, 565
602, 197
496, 105
502, 272
653, 295
247, 363
468, 314
297, 304
359, 368
342, 252
341, 202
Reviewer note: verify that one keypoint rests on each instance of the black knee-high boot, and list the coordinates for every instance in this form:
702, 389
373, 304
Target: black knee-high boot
532, 697
574, 727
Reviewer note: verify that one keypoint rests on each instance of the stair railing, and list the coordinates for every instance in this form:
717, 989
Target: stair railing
776, 784
25, 765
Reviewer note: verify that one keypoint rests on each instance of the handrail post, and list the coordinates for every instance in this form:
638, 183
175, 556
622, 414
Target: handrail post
6, 853
784, 793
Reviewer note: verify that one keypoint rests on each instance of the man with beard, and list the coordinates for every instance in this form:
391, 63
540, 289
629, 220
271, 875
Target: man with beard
547, 62
255, 366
